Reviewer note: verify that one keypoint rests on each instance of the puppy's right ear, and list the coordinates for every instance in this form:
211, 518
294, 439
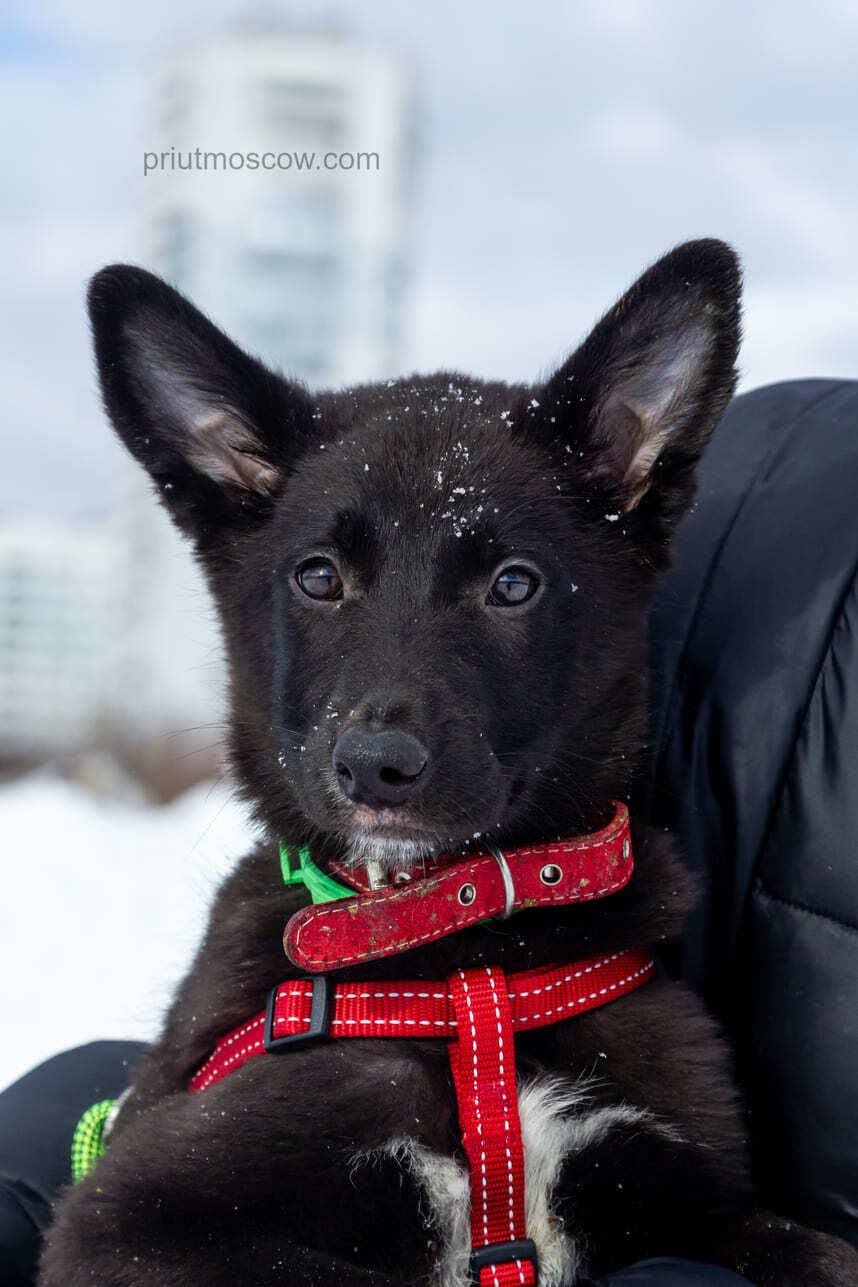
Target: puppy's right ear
215, 429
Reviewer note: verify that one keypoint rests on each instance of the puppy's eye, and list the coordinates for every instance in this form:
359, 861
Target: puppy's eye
319, 579
514, 585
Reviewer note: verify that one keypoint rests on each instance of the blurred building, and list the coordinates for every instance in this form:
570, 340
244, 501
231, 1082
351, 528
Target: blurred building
59, 600
305, 265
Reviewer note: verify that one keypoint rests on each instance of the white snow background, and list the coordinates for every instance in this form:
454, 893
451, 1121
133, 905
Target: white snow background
103, 906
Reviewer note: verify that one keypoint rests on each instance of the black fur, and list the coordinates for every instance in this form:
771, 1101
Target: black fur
533, 717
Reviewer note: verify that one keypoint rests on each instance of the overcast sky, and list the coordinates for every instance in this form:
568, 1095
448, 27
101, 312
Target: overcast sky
564, 145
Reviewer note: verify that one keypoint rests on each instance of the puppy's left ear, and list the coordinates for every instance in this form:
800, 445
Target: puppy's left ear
636, 403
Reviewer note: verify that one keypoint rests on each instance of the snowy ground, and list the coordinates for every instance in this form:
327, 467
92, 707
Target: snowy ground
102, 906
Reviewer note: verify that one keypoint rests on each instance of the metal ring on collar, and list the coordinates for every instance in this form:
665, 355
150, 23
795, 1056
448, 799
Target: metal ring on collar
506, 875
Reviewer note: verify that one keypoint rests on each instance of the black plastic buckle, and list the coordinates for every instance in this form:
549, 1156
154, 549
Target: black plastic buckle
503, 1253
320, 1016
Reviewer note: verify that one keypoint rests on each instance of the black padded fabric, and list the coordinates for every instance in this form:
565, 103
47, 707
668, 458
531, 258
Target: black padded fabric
38, 1114
755, 641
674, 1273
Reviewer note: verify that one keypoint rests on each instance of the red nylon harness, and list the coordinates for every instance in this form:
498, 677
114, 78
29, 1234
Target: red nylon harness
478, 1011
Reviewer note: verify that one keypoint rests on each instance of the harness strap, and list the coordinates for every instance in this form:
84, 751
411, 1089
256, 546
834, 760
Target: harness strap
483, 1064
303, 1010
477, 1011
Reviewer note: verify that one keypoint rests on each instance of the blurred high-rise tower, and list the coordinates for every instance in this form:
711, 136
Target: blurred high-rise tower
305, 264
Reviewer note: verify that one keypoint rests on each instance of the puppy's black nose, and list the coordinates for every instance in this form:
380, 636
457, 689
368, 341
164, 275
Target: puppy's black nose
378, 768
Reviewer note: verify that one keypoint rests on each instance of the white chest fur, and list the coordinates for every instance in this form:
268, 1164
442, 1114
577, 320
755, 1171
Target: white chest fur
557, 1120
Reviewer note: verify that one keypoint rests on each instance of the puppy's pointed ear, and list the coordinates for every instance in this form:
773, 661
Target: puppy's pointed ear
636, 403
214, 428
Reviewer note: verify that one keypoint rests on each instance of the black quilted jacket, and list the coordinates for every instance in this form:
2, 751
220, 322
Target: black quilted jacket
755, 750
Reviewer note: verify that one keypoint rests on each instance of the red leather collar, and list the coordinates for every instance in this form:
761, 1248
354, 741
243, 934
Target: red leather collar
453, 896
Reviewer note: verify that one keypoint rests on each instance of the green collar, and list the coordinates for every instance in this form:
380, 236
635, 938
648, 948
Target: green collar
322, 888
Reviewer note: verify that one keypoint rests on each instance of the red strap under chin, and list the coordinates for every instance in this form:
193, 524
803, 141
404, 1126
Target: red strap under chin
332, 935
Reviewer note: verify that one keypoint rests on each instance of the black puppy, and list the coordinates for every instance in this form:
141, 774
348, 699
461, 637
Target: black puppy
465, 568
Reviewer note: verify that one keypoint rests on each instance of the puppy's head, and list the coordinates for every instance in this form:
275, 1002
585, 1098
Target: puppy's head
433, 591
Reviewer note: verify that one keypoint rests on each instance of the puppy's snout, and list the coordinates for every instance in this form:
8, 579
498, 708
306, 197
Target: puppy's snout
379, 768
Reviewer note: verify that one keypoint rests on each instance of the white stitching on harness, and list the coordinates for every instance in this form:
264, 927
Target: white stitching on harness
506, 1128
588, 996
256, 1024
476, 1074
